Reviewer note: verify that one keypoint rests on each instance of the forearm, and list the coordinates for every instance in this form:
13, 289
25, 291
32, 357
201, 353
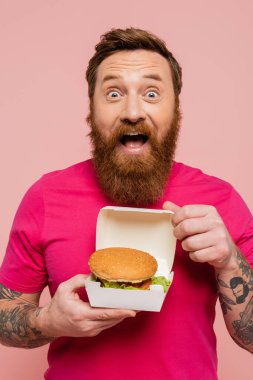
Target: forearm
19, 324
236, 298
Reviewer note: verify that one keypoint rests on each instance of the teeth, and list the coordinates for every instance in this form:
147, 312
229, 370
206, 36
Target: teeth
133, 134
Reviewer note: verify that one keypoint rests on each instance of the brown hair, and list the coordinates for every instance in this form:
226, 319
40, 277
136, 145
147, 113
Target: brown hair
130, 39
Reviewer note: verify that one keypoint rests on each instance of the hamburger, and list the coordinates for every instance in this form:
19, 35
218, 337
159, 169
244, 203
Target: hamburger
125, 268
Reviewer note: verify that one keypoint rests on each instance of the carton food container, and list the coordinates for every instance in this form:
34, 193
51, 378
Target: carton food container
144, 229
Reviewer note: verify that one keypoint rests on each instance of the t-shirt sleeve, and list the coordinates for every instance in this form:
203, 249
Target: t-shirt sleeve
23, 268
240, 225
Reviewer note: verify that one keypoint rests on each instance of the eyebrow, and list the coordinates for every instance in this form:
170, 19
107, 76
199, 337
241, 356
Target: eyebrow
147, 76
153, 76
110, 77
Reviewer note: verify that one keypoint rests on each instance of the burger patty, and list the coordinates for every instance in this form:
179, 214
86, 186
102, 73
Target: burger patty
144, 285
140, 285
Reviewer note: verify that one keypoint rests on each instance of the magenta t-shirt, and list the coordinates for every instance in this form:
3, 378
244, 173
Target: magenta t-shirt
52, 237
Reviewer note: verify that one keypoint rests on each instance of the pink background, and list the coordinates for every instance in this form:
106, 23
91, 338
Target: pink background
45, 47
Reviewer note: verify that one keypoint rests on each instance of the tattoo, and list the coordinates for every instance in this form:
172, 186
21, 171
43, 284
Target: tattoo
240, 286
225, 303
8, 294
244, 326
245, 268
16, 322
238, 290
16, 329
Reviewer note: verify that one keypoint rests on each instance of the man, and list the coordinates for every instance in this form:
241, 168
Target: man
134, 86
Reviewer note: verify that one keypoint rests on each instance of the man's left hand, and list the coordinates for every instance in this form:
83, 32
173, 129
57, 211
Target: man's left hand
204, 235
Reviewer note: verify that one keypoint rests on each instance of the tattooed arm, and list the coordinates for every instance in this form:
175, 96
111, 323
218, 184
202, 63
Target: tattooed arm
206, 239
24, 324
236, 299
18, 319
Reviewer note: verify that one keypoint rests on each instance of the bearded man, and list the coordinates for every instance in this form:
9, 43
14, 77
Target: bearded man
134, 86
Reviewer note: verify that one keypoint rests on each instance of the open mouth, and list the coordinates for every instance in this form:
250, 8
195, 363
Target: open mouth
133, 140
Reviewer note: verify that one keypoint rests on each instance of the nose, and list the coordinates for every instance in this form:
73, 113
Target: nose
132, 111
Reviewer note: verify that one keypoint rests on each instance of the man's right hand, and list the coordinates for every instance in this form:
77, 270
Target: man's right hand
67, 315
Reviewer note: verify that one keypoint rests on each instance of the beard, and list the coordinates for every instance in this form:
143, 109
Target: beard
133, 179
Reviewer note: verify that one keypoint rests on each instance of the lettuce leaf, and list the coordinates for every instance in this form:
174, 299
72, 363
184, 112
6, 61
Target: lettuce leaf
161, 280
158, 280
116, 285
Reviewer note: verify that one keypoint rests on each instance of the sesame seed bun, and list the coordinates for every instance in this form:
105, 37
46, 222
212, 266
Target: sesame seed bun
122, 265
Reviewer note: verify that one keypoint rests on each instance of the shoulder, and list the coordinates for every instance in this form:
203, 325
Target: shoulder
71, 177
188, 176
190, 185
193, 186
80, 170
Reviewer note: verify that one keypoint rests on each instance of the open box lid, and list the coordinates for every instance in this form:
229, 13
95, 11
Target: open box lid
139, 228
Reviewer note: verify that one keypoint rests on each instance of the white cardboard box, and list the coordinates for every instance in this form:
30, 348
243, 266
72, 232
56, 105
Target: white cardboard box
144, 229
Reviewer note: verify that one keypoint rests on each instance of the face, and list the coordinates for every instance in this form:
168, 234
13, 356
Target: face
134, 122
134, 87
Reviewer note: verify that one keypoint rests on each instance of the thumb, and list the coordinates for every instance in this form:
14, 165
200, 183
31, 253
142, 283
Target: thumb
75, 282
171, 206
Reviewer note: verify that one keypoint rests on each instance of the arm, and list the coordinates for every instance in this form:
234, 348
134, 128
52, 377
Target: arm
204, 235
24, 324
236, 299
18, 319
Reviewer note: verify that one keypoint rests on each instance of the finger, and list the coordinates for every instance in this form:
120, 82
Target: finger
192, 211
199, 241
105, 324
73, 283
105, 318
100, 314
193, 226
108, 325
210, 255
170, 206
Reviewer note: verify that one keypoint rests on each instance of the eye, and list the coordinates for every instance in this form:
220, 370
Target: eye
113, 94
152, 94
